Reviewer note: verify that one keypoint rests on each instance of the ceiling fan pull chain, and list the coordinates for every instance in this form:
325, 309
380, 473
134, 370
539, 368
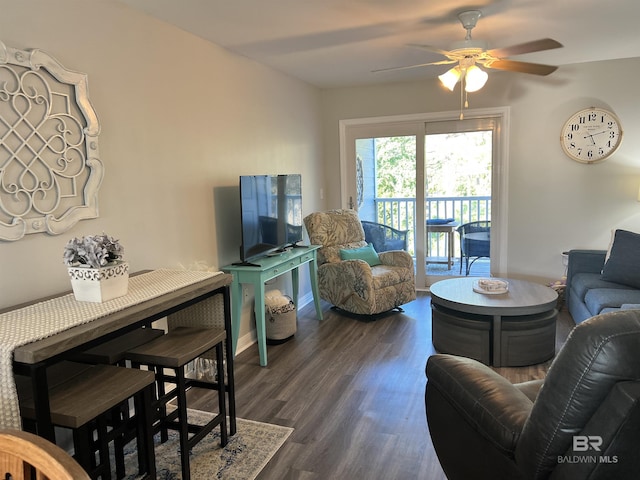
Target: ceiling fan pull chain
461, 97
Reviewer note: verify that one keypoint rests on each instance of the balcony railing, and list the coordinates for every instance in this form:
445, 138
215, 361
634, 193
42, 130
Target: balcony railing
399, 213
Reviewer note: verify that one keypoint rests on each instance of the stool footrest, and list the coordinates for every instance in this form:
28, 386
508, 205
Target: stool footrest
200, 431
204, 430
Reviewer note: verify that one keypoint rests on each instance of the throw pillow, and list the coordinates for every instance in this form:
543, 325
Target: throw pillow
368, 254
623, 265
613, 236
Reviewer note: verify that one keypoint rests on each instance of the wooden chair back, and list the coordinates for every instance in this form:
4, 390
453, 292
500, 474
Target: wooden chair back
25, 456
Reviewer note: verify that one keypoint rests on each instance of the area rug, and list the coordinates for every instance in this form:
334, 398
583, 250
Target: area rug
244, 456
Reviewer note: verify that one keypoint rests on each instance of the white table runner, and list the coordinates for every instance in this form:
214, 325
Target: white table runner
44, 319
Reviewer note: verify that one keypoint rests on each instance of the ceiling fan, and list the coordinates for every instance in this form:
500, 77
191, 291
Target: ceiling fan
469, 53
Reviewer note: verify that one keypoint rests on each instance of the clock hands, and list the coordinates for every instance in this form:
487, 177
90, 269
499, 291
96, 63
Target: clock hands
599, 133
591, 135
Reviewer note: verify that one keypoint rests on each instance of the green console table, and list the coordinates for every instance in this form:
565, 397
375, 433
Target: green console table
257, 274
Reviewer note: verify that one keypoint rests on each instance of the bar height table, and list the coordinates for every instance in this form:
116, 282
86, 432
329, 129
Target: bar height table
174, 290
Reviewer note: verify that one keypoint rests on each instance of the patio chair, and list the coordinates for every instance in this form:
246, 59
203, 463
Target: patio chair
475, 242
383, 237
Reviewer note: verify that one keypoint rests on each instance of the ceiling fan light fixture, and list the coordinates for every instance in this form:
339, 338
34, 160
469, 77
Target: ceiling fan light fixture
475, 78
451, 77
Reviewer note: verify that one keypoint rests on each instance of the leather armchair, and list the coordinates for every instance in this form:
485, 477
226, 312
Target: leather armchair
581, 422
354, 285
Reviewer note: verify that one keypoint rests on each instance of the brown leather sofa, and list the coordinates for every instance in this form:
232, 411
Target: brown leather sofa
581, 422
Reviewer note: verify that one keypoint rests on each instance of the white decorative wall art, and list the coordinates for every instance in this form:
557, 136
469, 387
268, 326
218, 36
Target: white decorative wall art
50, 171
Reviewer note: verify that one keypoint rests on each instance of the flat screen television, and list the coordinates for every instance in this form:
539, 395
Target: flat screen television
271, 214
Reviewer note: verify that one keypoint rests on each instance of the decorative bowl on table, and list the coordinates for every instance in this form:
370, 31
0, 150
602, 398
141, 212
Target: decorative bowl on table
490, 286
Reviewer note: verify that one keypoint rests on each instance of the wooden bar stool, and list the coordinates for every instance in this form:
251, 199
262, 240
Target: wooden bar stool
81, 398
174, 351
113, 352
213, 312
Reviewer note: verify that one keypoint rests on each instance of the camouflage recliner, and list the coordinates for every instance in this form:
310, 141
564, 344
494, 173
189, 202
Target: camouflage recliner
355, 285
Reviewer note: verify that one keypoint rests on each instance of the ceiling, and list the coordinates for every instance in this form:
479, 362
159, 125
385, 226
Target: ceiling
337, 43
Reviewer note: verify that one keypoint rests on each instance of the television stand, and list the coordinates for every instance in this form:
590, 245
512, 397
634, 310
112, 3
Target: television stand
245, 264
257, 275
283, 250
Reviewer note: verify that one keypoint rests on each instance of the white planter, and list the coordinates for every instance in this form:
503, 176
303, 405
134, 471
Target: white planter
100, 284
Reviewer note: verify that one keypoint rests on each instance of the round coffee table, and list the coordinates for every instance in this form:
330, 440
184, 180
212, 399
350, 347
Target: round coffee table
510, 329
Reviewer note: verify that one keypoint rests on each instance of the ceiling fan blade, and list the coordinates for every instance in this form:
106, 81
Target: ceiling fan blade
430, 48
442, 62
522, 67
528, 47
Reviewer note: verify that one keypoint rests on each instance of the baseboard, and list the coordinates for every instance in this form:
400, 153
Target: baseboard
246, 341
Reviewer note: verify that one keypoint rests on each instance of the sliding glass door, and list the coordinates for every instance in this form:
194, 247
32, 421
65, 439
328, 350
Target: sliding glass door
452, 165
458, 185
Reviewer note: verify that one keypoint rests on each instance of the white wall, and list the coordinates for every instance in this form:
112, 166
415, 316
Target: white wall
181, 120
554, 203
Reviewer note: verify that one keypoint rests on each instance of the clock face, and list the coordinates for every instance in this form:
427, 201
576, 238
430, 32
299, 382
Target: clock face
591, 135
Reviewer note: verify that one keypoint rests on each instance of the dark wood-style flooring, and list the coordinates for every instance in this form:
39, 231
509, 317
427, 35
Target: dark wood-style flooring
353, 391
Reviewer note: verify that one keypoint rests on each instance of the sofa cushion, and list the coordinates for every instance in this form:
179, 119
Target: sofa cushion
630, 306
390, 275
581, 283
366, 253
597, 299
623, 265
626, 306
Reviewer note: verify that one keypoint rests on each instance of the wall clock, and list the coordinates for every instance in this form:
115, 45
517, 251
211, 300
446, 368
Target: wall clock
591, 135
